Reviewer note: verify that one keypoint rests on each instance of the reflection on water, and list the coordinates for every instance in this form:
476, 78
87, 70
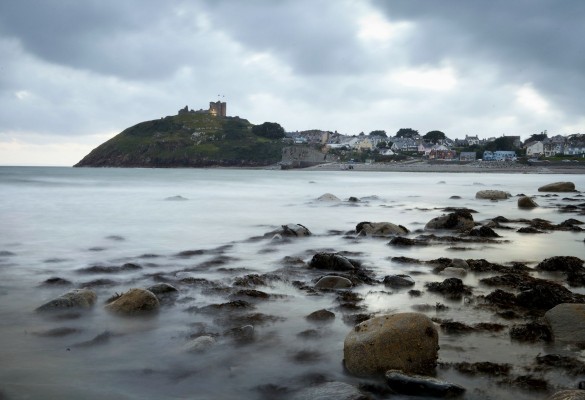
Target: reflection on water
58, 221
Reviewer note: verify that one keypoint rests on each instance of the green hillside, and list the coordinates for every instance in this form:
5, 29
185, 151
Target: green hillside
186, 140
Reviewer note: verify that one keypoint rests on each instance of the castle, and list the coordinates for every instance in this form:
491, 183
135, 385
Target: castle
217, 109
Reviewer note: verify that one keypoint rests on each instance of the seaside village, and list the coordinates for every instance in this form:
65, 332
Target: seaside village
377, 146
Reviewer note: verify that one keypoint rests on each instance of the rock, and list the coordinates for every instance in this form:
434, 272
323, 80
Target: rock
328, 197
331, 262
484, 232
454, 272
492, 195
162, 289
416, 385
558, 187
526, 202
450, 287
398, 281
378, 345
561, 263
529, 229
568, 395
330, 391
459, 263
176, 198
56, 281
530, 332
380, 229
77, 298
200, 344
567, 323
333, 282
134, 301
289, 230
241, 333
321, 316
460, 220
543, 295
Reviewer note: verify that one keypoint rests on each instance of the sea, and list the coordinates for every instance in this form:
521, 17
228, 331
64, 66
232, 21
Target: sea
214, 224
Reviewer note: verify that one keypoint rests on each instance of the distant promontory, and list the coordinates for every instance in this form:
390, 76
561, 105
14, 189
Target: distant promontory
191, 138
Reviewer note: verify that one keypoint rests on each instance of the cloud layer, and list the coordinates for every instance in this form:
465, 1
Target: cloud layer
78, 72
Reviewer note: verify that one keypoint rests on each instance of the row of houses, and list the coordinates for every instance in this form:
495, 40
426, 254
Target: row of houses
573, 145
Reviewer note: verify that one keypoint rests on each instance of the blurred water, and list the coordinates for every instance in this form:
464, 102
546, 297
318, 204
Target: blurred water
55, 221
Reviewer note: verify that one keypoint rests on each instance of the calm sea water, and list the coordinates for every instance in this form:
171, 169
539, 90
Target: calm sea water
55, 221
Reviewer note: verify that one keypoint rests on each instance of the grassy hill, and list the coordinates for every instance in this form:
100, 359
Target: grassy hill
186, 140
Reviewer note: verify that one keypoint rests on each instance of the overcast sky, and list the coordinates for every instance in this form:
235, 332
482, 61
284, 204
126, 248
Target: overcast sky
75, 73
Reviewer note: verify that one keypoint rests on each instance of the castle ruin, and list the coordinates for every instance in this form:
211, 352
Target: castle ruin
216, 108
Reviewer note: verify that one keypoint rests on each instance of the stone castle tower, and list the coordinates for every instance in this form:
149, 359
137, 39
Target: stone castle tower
217, 108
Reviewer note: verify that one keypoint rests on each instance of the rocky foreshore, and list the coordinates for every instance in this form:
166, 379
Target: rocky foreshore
385, 354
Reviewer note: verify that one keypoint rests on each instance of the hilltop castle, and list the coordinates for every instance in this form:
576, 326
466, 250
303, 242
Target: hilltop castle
217, 109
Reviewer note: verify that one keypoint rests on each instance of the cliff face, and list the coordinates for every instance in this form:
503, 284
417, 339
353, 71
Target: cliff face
186, 140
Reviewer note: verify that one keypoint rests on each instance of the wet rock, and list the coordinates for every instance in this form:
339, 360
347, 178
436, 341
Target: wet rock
231, 306
414, 293
458, 263
460, 221
57, 332
333, 282
403, 241
543, 295
571, 365
377, 345
398, 281
568, 395
176, 198
438, 307
330, 391
134, 302
290, 230
98, 283
162, 289
561, 263
380, 229
353, 199
558, 187
250, 294
321, 316
567, 323
530, 332
484, 232
251, 280
450, 287
526, 382
241, 334
74, 299
56, 281
492, 195
416, 385
99, 340
328, 197
455, 327
254, 319
200, 344
529, 229
483, 368
331, 262
501, 298
526, 202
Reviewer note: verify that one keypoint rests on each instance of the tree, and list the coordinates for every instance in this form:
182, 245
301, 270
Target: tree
537, 137
382, 145
407, 133
505, 143
378, 133
269, 130
434, 136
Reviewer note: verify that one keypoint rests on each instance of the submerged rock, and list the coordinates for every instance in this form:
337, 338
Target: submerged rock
416, 385
77, 298
450, 287
484, 232
558, 187
380, 229
321, 316
200, 344
330, 391
460, 221
290, 230
526, 202
492, 195
567, 323
398, 281
134, 301
378, 345
333, 282
328, 197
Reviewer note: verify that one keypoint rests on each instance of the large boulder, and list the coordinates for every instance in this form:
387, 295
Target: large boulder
567, 322
74, 299
406, 341
526, 202
380, 229
134, 301
558, 187
331, 262
330, 391
568, 395
459, 220
492, 195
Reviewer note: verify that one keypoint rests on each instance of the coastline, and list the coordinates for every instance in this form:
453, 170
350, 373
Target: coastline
487, 167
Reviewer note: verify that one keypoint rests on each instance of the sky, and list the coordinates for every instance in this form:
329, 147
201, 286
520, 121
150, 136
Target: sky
75, 73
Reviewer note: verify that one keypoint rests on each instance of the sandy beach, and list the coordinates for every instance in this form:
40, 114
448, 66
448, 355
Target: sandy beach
476, 167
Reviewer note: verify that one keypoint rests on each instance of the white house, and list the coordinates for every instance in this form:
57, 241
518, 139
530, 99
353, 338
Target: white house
534, 149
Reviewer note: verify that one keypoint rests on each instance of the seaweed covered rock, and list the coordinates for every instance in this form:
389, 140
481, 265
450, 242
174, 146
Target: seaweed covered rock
483, 232
450, 287
74, 299
380, 229
558, 187
134, 301
459, 221
378, 345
